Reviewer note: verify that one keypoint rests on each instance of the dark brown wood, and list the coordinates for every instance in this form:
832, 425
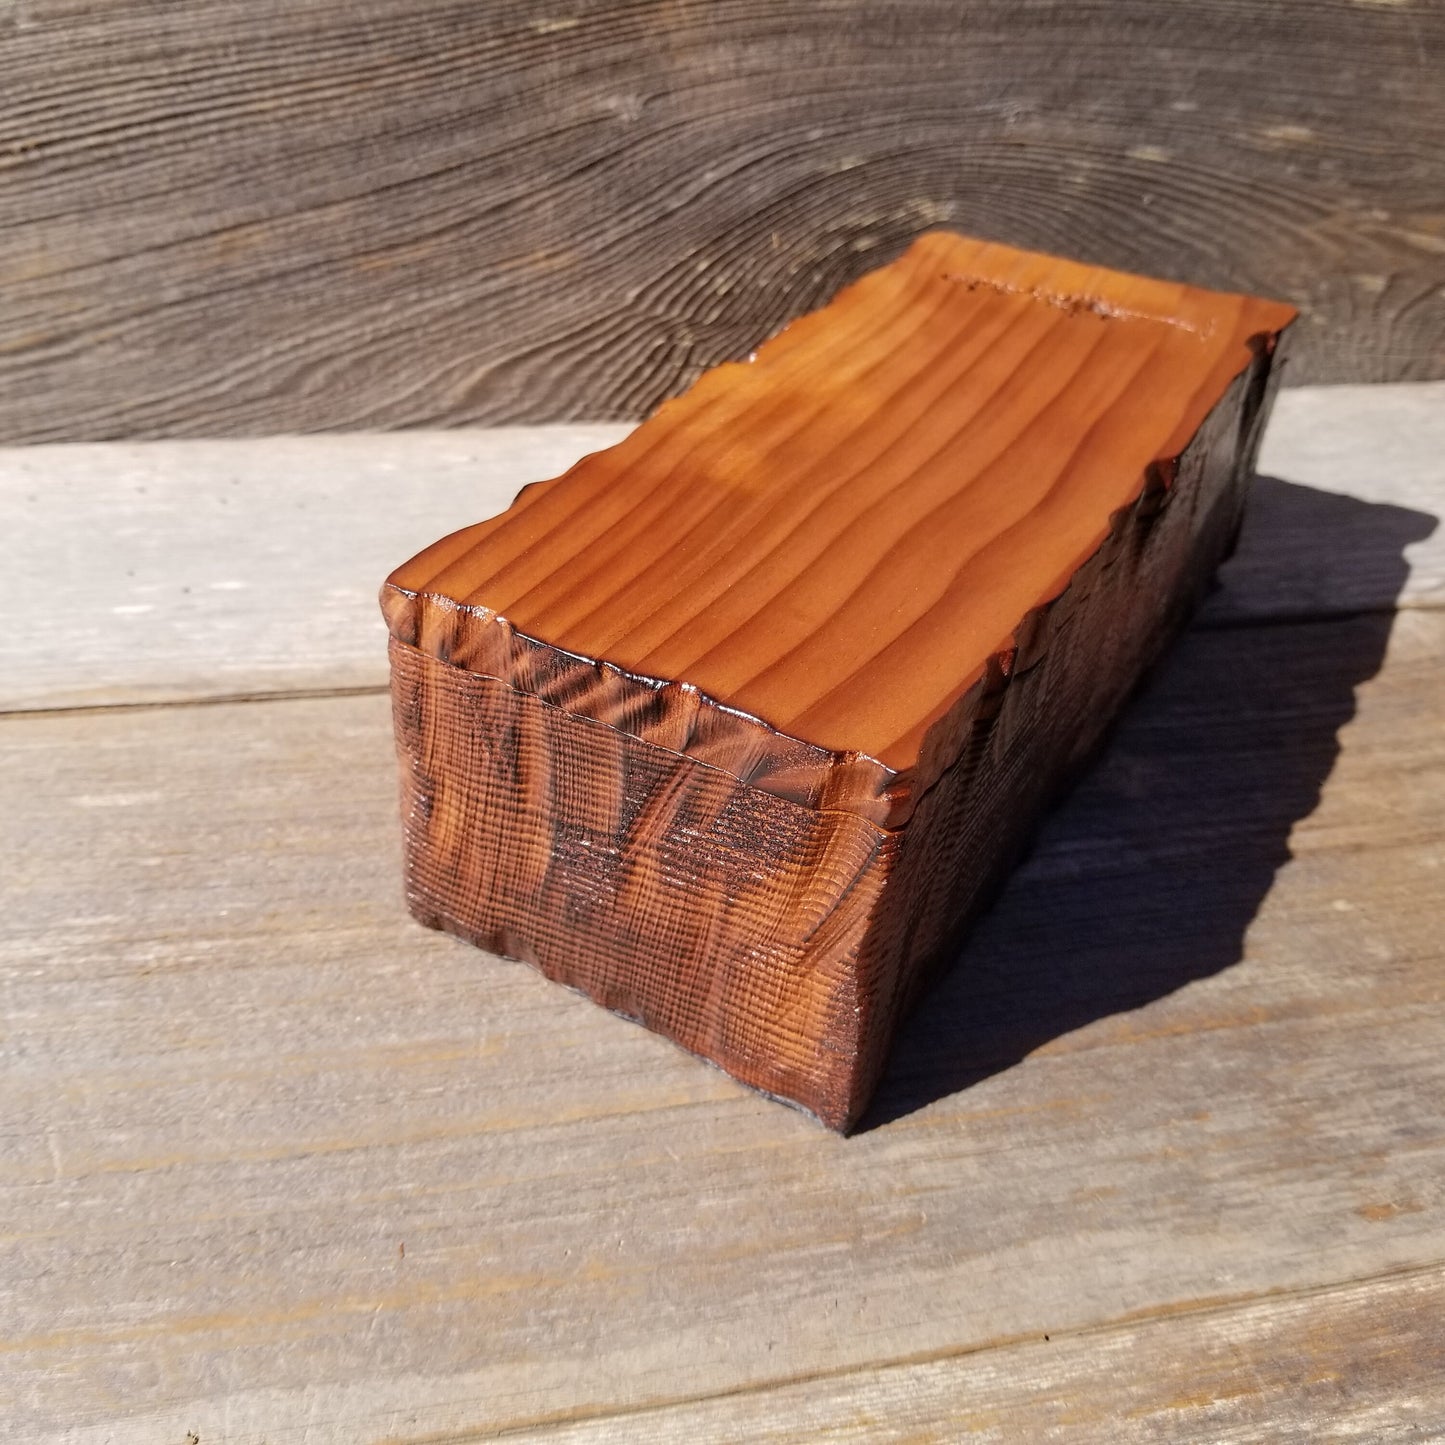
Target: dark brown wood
736, 723
257, 216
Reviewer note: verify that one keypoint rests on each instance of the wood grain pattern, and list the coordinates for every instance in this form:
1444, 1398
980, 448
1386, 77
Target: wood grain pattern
1361, 1363
238, 1082
154, 600
886, 583
299, 214
842, 536
735, 923
168, 592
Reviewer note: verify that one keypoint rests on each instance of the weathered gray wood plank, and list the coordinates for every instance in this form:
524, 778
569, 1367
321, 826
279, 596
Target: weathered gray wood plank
259, 218
153, 571
1307, 553
169, 570
238, 1082
1364, 1362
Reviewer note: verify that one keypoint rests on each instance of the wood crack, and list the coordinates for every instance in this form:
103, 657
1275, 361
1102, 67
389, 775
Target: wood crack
1220, 1306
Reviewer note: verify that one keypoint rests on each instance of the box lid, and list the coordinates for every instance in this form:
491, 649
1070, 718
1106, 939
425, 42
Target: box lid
805, 569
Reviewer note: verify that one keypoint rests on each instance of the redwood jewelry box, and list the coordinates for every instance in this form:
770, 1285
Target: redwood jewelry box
736, 725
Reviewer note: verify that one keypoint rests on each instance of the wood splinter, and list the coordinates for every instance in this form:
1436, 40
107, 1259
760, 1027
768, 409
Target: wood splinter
738, 723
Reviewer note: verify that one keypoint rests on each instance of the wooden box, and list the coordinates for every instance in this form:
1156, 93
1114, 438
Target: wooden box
736, 725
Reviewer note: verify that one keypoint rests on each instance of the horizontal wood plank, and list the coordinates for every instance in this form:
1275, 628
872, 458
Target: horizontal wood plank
249, 218
1361, 1363
166, 589
279, 1165
160, 571
1309, 547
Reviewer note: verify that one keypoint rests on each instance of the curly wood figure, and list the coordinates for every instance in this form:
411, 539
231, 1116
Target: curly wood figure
736, 725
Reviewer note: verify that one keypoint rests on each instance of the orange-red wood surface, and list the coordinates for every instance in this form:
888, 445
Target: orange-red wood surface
836, 536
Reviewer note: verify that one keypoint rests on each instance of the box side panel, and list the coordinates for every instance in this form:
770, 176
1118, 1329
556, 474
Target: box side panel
1079, 660
719, 915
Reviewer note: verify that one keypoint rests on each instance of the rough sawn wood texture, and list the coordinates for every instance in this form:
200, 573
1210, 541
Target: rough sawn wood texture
265, 216
737, 723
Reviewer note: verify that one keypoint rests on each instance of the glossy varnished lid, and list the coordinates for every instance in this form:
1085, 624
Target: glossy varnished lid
797, 570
